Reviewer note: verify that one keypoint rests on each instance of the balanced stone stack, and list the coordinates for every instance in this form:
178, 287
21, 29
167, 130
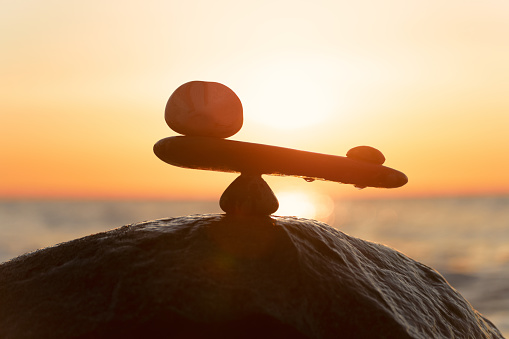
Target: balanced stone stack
208, 112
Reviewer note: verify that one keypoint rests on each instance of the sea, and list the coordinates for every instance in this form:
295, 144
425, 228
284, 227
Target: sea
466, 239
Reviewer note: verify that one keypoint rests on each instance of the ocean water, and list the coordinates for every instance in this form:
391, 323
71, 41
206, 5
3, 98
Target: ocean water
466, 239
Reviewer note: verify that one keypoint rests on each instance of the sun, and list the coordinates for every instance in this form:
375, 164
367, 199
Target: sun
310, 205
289, 93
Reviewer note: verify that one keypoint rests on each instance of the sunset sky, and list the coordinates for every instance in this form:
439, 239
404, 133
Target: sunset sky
84, 84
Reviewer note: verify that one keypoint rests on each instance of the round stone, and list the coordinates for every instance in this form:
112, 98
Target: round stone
366, 154
249, 195
207, 109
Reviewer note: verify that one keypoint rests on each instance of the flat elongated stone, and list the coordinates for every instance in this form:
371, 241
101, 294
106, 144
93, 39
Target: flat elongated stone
205, 109
236, 156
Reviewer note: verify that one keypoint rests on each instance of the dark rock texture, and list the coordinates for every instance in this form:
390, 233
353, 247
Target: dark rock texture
231, 277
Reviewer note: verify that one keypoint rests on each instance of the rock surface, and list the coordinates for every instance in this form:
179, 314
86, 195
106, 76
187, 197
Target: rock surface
230, 277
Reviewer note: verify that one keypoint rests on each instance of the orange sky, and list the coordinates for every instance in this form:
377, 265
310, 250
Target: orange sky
84, 83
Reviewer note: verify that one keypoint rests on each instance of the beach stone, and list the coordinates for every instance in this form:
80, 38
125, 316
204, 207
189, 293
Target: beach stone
201, 108
249, 195
366, 154
224, 276
215, 154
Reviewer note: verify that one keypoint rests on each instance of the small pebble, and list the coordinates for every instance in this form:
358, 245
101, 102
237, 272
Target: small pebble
249, 195
207, 109
366, 154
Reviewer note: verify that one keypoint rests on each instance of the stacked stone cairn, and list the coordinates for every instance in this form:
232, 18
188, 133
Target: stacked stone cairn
208, 112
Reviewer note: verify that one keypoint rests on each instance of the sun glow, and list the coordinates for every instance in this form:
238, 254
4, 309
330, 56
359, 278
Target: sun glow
305, 205
290, 93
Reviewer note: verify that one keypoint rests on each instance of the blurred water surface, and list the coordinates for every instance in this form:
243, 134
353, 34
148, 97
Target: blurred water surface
466, 239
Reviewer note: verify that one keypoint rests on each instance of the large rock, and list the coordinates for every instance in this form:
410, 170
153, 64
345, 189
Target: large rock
229, 277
